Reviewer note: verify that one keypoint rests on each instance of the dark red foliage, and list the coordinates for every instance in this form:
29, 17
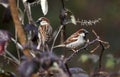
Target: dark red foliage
4, 37
2, 47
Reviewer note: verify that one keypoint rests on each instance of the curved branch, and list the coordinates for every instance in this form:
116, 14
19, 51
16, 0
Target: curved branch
18, 26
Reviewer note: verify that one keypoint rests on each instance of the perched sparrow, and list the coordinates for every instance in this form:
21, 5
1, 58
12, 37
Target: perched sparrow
45, 30
76, 40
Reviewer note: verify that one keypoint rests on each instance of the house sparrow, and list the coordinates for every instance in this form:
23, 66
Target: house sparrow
76, 40
44, 31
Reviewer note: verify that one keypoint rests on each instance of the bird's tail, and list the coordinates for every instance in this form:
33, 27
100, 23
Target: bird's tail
61, 45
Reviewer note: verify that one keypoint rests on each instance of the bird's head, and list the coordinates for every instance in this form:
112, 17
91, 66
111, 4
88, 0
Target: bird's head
42, 21
83, 33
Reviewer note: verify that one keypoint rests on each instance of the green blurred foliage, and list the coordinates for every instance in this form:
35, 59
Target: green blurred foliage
108, 28
110, 63
83, 58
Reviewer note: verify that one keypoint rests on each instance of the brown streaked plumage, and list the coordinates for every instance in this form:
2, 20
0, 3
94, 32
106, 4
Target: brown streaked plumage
76, 40
45, 30
74, 36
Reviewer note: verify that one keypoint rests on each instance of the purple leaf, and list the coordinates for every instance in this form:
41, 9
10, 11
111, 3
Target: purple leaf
28, 67
78, 72
30, 28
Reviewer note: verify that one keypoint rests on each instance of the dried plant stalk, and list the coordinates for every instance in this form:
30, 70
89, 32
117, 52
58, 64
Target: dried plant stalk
18, 26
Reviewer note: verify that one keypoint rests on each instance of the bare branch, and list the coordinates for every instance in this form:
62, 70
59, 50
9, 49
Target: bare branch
14, 58
56, 37
101, 55
63, 35
28, 12
18, 26
84, 47
10, 59
90, 43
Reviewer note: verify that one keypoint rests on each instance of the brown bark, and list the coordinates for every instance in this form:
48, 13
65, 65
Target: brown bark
18, 27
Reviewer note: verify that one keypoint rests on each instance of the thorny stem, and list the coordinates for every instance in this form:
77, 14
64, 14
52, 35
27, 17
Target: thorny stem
56, 37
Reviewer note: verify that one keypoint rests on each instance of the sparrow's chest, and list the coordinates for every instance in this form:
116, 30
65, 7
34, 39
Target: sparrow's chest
78, 43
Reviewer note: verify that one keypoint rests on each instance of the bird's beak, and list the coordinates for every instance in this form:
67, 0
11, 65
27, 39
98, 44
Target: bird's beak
86, 32
38, 21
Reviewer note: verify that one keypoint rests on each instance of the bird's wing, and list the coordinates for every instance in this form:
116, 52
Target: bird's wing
72, 38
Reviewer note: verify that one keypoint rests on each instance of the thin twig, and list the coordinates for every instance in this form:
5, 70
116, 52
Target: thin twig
87, 44
10, 59
56, 37
84, 47
63, 35
13, 57
88, 22
67, 68
63, 4
28, 11
95, 49
102, 51
18, 44
18, 52
18, 25
101, 55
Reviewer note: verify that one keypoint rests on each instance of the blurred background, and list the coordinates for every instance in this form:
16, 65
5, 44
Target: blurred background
108, 29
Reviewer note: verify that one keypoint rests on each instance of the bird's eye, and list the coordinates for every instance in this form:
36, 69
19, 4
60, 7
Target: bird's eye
43, 23
82, 34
